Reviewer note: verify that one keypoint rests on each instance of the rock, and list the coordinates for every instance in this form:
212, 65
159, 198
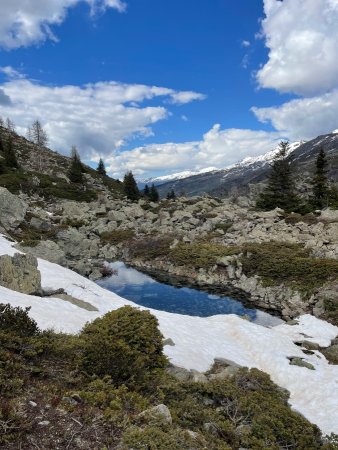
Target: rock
32, 404
75, 210
158, 415
39, 224
296, 361
329, 215
12, 209
44, 423
198, 377
179, 373
227, 372
47, 250
20, 273
168, 341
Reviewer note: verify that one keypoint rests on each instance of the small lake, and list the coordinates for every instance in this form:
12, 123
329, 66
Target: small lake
146, 291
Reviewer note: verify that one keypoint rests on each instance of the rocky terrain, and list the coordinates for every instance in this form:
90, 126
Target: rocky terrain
207, 242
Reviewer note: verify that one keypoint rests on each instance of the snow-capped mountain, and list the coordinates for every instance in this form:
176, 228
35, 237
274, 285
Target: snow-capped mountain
251, 170
177, 176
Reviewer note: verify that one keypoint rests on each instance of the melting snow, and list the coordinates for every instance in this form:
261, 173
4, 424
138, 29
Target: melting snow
199, 340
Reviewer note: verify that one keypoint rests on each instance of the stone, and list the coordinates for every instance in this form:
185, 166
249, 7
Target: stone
12, 209
179, 373
169, 342
20, 273
295, 361
158, 415
75, 210
48, 250
39, 224
44, 423
32, 404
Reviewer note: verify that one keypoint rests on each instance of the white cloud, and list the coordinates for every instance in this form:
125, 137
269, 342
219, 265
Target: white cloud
181, 98
302, 37
303, 118
218, 148
99, 118
27, 22
246, 43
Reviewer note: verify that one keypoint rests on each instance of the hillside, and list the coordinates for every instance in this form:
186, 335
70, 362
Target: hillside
45, 172
238, 178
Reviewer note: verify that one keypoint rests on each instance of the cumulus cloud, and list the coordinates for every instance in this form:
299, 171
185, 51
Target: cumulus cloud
181, 98
23, 23
303, 118
302, 38
218, 148
99, 118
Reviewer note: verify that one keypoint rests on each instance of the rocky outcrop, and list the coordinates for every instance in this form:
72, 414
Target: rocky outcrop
12, 209
20, 273
48, 250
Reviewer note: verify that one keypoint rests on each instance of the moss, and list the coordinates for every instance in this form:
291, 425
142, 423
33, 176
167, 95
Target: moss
117, 236
223, 226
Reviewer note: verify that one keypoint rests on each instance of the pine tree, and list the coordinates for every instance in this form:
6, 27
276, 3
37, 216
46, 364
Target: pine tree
101, 168
171, 195
10, 156
130, 187
280, 191
154, 196
75, 170
146, 191
320, 188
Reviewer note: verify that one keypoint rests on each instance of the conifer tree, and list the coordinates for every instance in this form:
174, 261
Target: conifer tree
146, 191
280, 191
320, 182
10, 156
154, 196
75, 170
101, 168
130, 187
171, 195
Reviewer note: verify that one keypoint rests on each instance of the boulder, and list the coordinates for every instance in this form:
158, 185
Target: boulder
20, 273
12, 209
158, 415
75, 210
49, 251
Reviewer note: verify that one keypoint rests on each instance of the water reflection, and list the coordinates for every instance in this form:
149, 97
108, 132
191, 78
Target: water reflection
145, 291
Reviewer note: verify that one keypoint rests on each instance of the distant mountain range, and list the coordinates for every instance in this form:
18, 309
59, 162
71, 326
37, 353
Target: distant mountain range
238, 177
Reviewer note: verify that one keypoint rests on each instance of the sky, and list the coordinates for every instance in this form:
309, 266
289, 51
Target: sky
163, 86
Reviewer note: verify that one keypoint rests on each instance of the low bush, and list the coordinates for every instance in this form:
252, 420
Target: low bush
151, 248
17, 321
199, 254
124, 344
279, 263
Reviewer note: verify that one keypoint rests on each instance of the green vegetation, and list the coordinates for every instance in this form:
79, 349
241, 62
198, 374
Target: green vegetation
75, 173
280, 191
125, 344
103, 411
101, 168
223, 226
117, 236
151, 248
280, 262
130, 187
199, 254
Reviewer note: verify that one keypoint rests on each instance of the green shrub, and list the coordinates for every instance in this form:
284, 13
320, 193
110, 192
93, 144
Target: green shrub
223, 226
151, 248
199, 254
16, 320
124, 344
279, 263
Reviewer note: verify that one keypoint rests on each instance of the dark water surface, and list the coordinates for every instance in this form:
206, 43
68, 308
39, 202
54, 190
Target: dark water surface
146, 291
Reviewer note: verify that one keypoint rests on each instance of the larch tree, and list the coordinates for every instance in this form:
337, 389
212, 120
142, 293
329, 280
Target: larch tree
39, 137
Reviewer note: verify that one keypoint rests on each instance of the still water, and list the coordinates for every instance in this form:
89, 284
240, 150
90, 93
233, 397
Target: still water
146, 291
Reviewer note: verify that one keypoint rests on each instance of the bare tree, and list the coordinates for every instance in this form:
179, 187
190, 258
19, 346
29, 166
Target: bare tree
2, 123
38, 136
10, 125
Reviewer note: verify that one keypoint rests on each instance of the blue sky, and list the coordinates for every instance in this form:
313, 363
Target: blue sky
87, 70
